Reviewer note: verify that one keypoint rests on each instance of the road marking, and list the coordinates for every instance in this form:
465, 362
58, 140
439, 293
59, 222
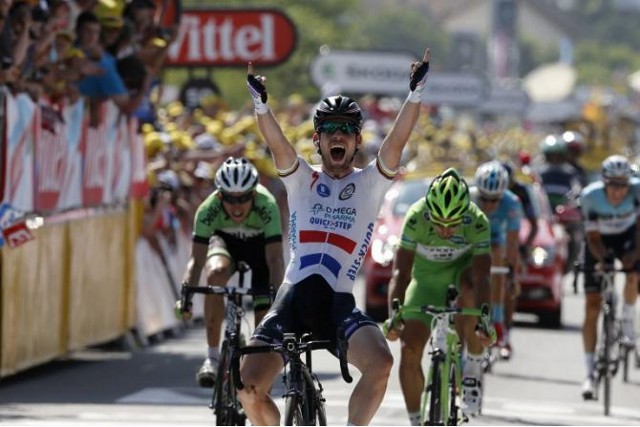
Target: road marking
392, 409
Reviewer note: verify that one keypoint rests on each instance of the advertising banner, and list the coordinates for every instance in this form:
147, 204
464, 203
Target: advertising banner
51, 157
19, 154
232, 38
95, 154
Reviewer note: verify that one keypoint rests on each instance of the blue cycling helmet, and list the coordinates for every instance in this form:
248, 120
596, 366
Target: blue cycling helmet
492, 179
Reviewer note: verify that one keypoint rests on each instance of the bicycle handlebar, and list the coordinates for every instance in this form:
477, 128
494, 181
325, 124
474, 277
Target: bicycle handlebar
438, 310
295, 347
217, 290
184, 304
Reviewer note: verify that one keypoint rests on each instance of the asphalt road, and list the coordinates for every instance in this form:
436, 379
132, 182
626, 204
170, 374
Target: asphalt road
155, 385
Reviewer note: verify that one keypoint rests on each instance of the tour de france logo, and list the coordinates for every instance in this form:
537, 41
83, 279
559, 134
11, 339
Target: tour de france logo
347, 192
323, 190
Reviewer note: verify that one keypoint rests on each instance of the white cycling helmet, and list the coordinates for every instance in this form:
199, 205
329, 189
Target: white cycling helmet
616, 166
492, 179
236, 175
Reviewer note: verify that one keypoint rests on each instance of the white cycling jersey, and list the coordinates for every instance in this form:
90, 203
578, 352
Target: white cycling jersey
331, 221
600, 215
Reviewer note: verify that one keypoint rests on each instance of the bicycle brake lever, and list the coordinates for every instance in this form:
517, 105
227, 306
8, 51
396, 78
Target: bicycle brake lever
342, 356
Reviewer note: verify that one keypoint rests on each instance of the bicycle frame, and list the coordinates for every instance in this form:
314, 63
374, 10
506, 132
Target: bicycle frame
609, 345
304, 403
224, 400
607, 357
441, 397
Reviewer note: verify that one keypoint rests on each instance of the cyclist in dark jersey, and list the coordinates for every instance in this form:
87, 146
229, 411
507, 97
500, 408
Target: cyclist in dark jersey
575, 150
561, 182
239, 221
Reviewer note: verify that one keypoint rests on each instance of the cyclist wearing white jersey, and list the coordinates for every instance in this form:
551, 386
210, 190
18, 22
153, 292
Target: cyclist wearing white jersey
612, 224
332, 208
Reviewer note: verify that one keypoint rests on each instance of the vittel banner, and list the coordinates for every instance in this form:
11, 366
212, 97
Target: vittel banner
233, 38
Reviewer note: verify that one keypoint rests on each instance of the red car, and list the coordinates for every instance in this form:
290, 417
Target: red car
541, 281
405, 191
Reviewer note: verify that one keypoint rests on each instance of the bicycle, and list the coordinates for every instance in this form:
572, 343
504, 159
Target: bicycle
442, 396
224, 400
304, 402
491, 355
610, 342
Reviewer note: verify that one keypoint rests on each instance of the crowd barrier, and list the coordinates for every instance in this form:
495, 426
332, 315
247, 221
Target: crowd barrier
87, 277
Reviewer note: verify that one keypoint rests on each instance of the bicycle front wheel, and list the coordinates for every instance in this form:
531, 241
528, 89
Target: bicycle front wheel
454, 394
625, 351
293, 415
433, 394
313, 407
225, 402
607, 321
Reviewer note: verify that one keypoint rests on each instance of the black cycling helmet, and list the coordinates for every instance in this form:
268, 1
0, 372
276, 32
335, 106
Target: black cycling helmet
338, 107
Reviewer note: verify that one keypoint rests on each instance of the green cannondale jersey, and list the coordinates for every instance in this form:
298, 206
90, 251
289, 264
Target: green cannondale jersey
433, 253
262, 224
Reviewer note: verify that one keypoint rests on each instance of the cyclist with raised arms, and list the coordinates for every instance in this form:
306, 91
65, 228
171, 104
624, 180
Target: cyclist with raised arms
612, 225
504, 210
239, 221
333, 207
445, 240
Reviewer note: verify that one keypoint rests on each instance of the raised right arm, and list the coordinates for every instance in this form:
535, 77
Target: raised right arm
284, 155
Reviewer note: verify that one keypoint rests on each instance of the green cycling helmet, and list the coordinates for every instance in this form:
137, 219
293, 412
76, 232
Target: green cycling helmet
448, 198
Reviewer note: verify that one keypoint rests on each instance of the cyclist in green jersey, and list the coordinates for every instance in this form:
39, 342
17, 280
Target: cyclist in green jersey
239, 221
445, 240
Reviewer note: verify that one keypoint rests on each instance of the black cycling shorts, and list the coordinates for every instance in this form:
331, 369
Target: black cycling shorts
619, 244
311, 306
254, 256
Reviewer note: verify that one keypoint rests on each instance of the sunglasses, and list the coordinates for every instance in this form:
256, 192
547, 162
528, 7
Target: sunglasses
331, 128
444, 224
236, 200
490, 199
617, 184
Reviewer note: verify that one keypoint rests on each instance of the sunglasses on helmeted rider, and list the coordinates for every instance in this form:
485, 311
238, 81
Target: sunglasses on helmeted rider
617, 184
486, 199
445, 224
236, 200
331, 128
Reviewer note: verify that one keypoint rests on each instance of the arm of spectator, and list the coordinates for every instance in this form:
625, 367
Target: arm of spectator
129, 103
150, 219
9, 75
21, 47
42, 46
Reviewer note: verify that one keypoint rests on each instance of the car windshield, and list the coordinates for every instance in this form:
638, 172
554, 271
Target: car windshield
409, 192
